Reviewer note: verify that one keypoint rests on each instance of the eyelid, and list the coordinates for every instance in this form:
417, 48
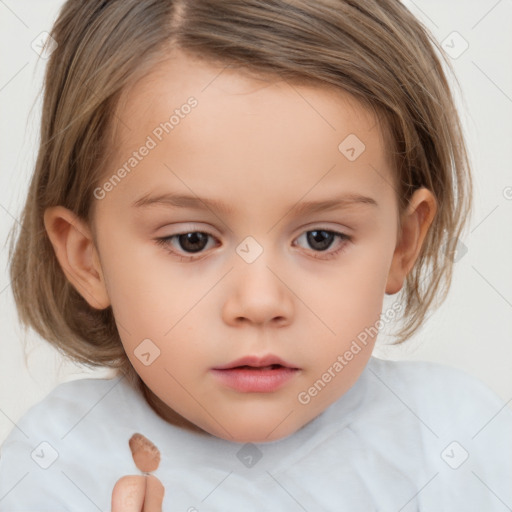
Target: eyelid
342, 238
186, 227
326, 226
189, 227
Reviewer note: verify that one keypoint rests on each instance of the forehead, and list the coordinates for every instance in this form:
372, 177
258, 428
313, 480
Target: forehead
243, 124
221, 88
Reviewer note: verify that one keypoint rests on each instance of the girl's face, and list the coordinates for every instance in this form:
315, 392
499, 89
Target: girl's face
282, 257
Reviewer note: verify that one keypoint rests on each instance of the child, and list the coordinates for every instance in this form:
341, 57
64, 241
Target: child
315, 149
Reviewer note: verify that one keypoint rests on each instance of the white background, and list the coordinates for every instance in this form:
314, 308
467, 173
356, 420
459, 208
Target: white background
472, 330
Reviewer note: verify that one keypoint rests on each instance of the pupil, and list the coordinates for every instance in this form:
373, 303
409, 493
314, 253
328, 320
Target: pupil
322, 238
191, 241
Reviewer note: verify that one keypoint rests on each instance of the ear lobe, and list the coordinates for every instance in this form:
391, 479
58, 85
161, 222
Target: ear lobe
74, 247
416, 221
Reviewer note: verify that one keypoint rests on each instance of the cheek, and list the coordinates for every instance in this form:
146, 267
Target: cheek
351, 298
155, 300
141, 283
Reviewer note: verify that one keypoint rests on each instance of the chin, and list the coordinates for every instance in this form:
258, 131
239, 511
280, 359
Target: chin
251, 430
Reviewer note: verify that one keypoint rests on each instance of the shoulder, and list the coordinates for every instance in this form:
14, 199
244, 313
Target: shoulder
64, 405
50, 448
463, 427
439, 389
65, 400
428, 378
410, 370
448, 403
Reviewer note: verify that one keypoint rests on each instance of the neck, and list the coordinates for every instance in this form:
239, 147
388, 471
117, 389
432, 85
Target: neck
166, 413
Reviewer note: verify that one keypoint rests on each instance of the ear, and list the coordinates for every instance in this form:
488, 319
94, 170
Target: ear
74, 247
416, 221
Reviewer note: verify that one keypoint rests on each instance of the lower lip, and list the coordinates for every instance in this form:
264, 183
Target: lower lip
255, 381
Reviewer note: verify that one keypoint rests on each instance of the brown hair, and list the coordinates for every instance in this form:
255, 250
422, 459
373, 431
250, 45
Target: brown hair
375, 50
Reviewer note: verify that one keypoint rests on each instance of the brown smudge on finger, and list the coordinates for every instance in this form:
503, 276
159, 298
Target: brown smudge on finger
145, 454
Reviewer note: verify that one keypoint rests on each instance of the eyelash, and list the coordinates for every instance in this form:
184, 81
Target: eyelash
344, 239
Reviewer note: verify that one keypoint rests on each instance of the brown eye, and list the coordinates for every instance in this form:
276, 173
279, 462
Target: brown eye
182, 244
319, 240
192, 242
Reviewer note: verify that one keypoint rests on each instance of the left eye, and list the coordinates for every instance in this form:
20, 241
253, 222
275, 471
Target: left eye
195, 242
322, 239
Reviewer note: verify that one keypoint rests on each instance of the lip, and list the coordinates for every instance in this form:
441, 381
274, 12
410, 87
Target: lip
257, 362
257, 379
246, 380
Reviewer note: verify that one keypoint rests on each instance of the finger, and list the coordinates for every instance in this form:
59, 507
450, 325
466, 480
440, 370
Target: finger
154, 495
128, 494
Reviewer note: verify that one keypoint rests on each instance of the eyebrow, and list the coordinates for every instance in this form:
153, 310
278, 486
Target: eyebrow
202, 203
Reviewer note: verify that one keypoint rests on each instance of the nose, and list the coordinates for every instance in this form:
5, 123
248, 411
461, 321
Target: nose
258, 295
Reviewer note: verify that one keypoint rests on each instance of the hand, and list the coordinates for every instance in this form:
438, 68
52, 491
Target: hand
137, 493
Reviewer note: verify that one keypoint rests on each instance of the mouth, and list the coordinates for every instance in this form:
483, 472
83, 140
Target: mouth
258, 368
268, 362
256, 375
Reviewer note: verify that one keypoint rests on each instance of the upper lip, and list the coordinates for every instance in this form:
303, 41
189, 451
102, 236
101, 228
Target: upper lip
256, 362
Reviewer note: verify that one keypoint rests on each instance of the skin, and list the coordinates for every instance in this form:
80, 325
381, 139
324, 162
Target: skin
262, 147
135, 493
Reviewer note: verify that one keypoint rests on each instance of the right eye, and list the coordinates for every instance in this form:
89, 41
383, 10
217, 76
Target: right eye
190, 242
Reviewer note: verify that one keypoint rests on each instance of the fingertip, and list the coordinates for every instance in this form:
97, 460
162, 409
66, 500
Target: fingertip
154, 494
128, 494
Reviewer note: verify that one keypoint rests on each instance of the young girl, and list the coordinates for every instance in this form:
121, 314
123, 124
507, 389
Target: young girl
225, 193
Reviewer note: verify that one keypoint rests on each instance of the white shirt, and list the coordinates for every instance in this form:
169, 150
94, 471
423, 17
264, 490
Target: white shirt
408, 436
